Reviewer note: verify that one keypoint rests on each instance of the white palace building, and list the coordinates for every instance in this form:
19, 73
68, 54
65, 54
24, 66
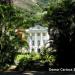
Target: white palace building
38, 37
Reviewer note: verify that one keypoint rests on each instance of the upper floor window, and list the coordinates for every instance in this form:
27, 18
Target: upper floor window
38, 34
32, 34
44, 34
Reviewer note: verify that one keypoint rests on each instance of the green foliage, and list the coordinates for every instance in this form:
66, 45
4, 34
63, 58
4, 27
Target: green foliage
61, 29
35, 56
10, 19
32, 17
25, 61
7, 50
38, 60
46, 56
19, 57
27, 57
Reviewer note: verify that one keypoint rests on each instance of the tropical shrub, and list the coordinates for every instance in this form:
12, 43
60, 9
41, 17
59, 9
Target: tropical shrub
46, 55
25, 61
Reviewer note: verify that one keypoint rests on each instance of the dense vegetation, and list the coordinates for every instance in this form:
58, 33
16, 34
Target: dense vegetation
42, 60
31, 10
61, 20
10, 19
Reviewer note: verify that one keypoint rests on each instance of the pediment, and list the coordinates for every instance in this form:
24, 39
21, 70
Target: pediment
37, 27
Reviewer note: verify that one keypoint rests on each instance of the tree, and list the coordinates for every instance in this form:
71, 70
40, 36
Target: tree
10, 19
61, 30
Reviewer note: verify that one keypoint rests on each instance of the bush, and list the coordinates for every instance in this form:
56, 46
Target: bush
46, 56
27, 60
35, 56
34, 61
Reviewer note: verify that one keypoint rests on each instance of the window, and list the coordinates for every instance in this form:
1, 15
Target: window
44, 41
44, 34
38, 50
33, 43
38, 42
32, 34
38, 34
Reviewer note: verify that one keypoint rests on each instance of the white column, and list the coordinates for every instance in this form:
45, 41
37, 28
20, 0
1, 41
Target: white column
35, 42
30, 42
41, 39
47, 36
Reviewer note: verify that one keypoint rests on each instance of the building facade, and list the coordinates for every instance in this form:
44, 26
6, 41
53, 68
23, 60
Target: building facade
38, 37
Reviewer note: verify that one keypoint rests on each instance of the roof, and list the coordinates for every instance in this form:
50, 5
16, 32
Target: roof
37, 28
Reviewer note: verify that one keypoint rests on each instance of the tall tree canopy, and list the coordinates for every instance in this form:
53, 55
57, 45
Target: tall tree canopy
10, 19
61, 20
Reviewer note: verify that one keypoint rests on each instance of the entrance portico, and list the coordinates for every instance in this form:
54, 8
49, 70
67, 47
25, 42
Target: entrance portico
38, 36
